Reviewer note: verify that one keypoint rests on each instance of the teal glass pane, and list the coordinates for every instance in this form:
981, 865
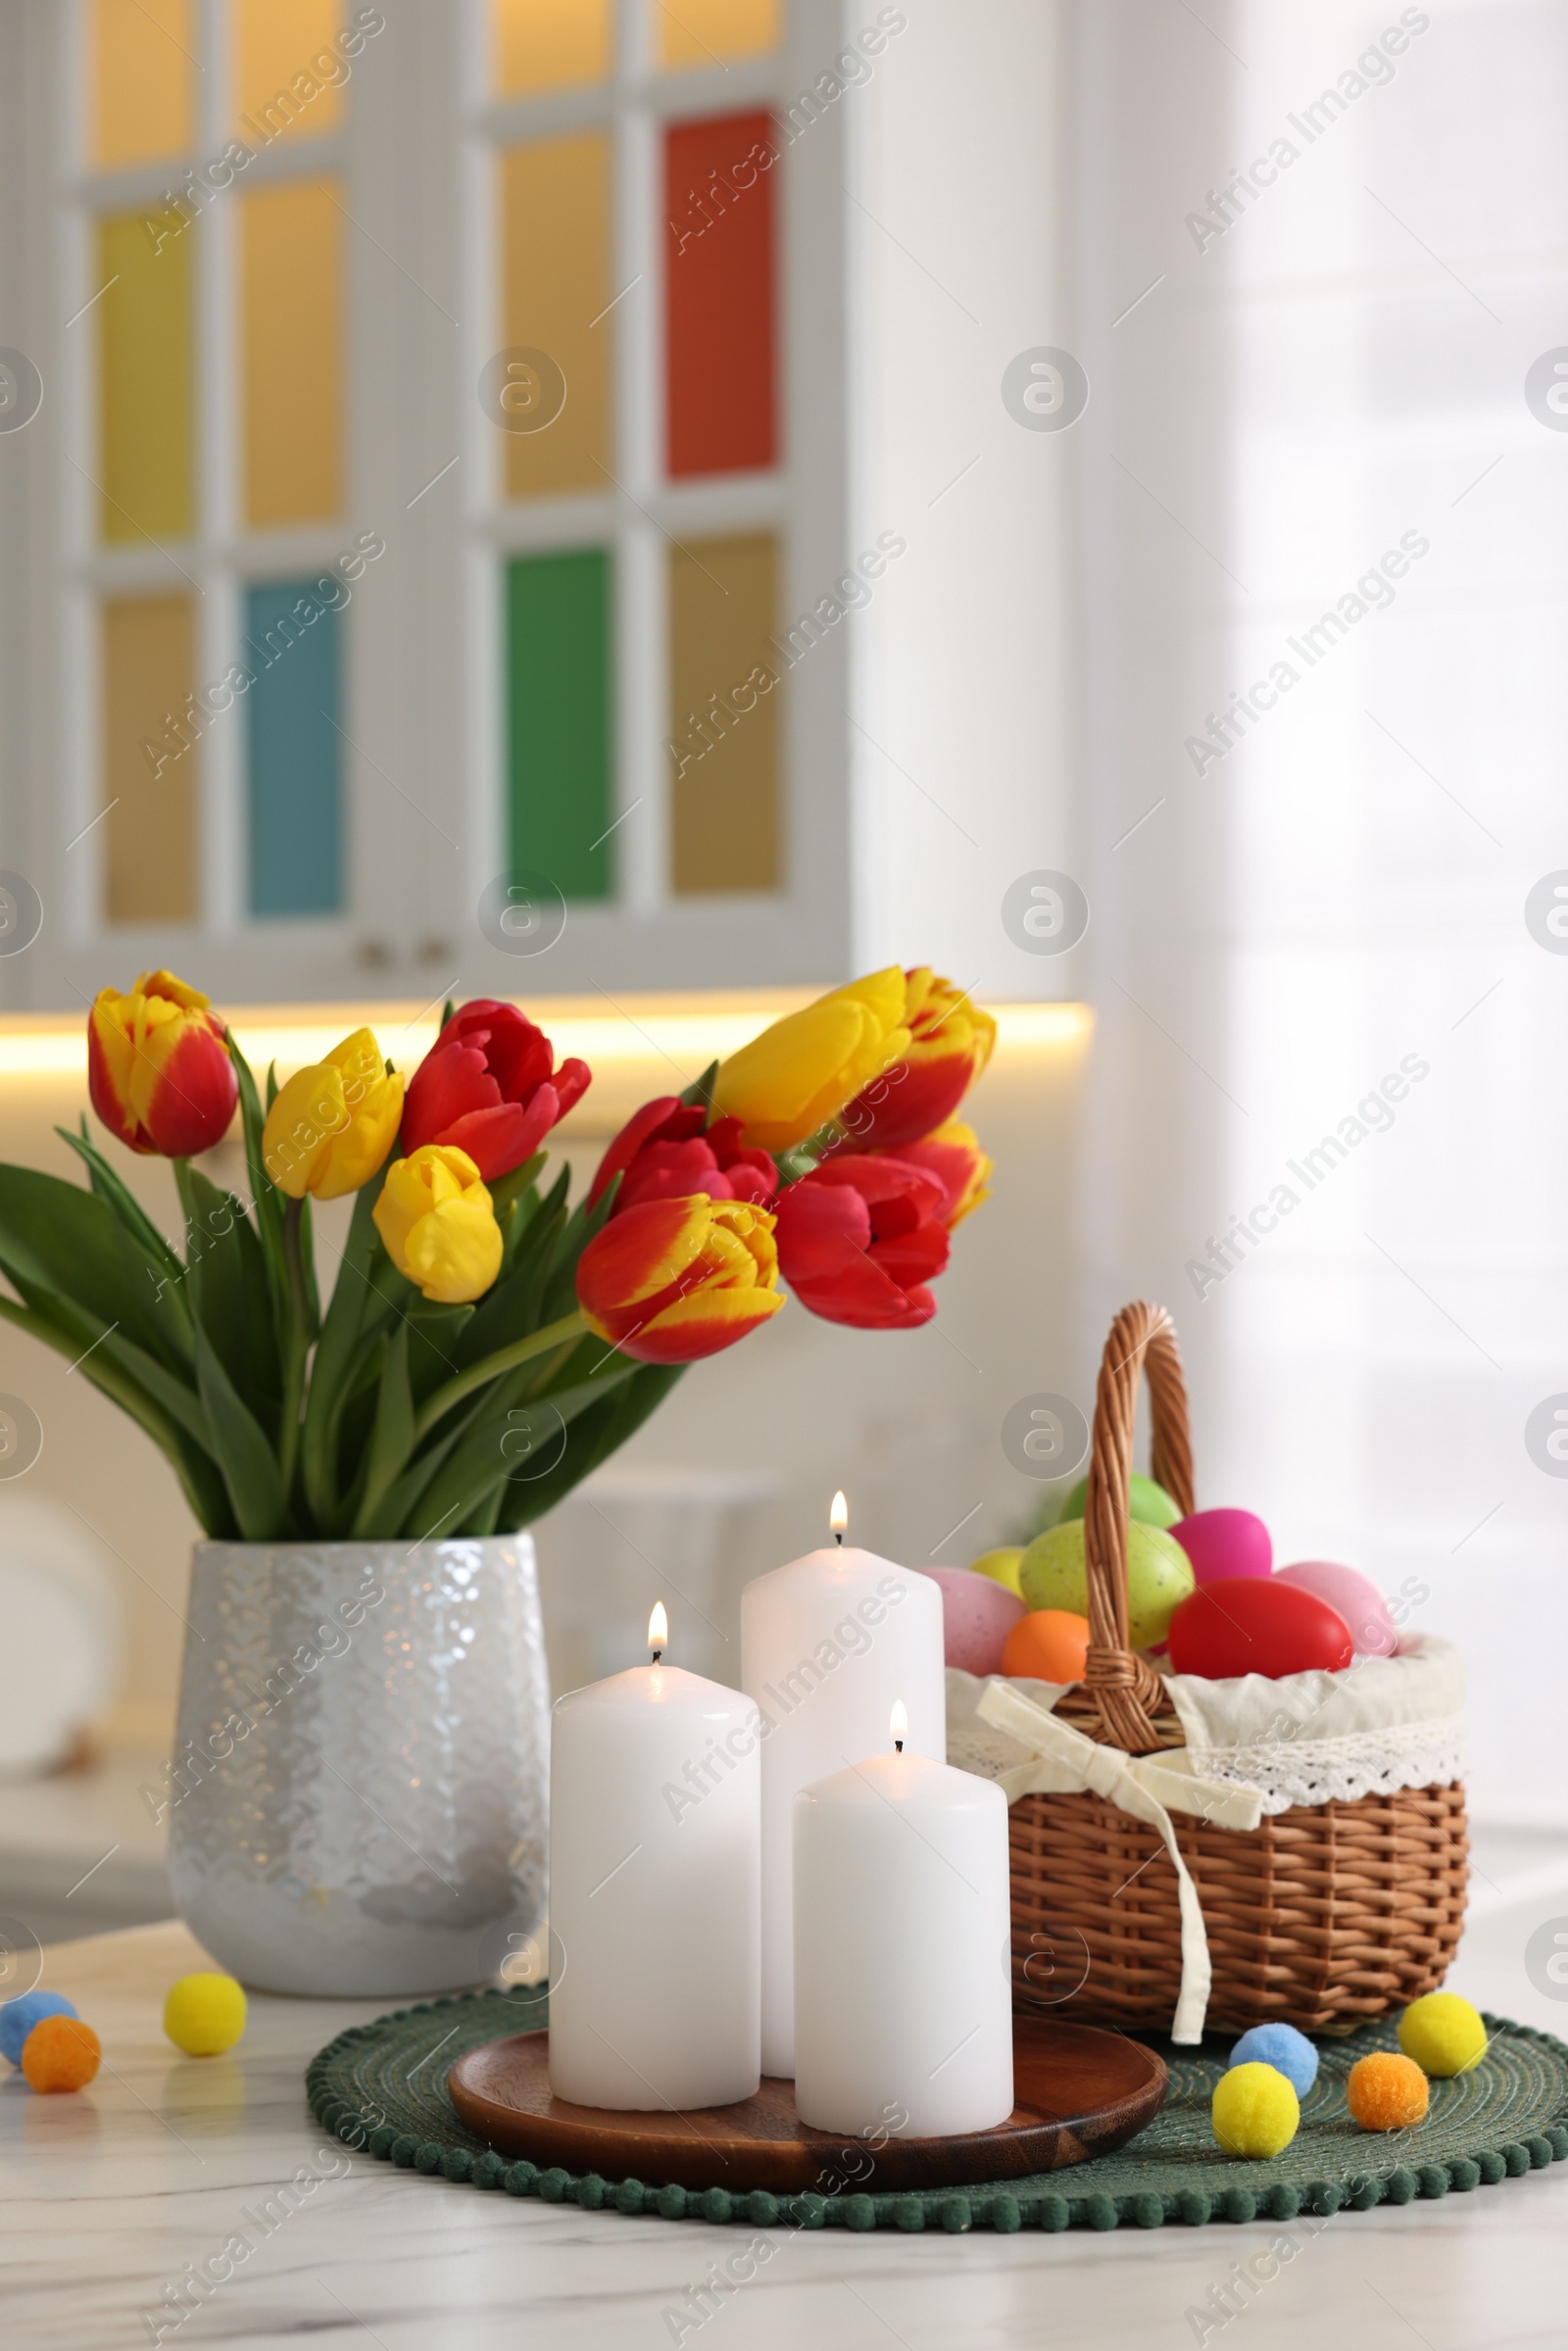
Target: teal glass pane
561, 730
293, 651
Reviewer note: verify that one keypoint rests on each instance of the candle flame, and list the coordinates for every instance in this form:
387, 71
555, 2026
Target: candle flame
838, 1518
658, 1628
898, 1723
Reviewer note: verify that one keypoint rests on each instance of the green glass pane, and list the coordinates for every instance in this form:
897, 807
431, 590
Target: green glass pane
559, 685
293, 652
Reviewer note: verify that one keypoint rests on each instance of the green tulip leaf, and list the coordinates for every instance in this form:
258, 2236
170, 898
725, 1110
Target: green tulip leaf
250, 1467
70, 1243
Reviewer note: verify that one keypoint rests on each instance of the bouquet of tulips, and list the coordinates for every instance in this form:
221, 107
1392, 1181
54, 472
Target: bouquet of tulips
486, 1343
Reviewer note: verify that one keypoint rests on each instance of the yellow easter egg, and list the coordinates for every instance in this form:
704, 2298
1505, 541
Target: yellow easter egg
1002, 1566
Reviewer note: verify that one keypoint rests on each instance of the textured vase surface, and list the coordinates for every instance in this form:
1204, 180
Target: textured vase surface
358, 1802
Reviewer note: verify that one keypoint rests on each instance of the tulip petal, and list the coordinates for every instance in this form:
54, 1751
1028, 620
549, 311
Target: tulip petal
500, 1139
196, 1095
821, 1231
866, 1300
702, 1324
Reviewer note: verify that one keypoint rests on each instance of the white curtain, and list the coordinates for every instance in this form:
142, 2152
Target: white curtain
1309, 474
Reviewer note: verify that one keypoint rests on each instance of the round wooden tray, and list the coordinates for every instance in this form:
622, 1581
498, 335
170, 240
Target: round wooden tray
1080, 2092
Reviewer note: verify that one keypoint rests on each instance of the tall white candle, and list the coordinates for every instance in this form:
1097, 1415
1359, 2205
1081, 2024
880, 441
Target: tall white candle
827, 1645
902, 1975
655, 1927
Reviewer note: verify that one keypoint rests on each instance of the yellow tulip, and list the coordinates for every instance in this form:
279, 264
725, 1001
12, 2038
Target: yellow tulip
434, 1215
800, 1072
334, 1122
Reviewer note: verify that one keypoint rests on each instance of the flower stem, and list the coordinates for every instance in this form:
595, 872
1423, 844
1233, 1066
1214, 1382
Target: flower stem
296, 1344
506, 1358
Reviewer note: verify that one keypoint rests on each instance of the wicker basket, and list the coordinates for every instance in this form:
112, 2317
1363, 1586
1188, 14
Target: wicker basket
1322, 1916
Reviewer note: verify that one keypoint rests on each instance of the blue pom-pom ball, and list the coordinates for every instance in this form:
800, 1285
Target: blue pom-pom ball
1288, 2051
17, 2018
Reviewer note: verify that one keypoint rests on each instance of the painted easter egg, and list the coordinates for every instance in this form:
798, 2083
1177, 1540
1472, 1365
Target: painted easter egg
1002, 1566
1148, 1503
1252, 1625
1052, 1574
977, 1615
1355, 1596
1224, 1542
1049, 1644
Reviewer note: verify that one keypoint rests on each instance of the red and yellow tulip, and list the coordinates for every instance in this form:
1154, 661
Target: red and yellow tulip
333, 1123
949, 1043
954, 1155
158, 1068
437, 1219
800, 1072
674, 1280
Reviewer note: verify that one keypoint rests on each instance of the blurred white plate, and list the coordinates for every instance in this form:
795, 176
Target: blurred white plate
59, 1635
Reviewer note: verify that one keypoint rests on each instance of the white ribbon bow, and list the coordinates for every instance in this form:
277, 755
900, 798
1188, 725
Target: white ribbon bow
1149, 1788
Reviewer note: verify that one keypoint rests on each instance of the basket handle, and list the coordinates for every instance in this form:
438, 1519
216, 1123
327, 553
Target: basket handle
1143, 1339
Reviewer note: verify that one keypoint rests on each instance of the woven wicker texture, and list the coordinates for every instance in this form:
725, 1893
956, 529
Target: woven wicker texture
382, 2088
1323, 1916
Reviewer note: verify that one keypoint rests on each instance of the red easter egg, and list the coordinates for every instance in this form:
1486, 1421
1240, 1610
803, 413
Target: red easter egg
1225, 1542
977, 1615
1247, 1624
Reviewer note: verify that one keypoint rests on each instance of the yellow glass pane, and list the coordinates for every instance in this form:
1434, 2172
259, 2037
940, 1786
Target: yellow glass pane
549, 44
146, 432
698, 32
557, 256
142, 75
289, 72
291, 262
724, 687
151, 756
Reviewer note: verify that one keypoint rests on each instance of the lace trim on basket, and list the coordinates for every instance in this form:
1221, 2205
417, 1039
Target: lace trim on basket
1323, 1770
1285, 1771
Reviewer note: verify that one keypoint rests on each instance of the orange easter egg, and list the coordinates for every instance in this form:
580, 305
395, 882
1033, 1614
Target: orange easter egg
1049, 1644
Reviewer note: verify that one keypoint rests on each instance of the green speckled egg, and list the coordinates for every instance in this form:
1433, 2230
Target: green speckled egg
1052, 1574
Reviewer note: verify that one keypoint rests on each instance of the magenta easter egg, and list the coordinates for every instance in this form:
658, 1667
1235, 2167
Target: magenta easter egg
1355, 1596
1257, 1624
1225, 1542
977, 1615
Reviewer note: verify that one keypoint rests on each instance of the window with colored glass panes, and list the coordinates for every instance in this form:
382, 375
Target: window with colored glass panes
215, 462
627, 500
637, 482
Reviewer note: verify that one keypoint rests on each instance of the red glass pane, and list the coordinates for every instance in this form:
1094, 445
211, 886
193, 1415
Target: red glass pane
720, 331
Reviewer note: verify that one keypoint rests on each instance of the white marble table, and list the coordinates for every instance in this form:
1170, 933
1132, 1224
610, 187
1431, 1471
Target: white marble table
107, 2199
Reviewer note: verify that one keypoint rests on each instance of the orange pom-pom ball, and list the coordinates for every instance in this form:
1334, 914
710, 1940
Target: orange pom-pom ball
1049, 1644
1387, 2091
61, 2052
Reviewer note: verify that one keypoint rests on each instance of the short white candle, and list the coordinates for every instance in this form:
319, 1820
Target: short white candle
654, 1925
827, 1645
902, 1973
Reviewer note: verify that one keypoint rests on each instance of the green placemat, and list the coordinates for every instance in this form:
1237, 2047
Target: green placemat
382, 2088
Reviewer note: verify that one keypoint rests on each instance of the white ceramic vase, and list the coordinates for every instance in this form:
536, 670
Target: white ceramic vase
358, 1802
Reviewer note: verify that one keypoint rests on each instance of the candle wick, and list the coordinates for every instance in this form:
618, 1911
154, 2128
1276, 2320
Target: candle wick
658, 1653
897, 1746
838, 1536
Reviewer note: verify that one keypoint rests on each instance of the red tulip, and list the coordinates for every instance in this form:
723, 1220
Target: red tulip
663, 1153
950, 1043
158, 1068
486, 1087
860, 1237
953, 1154
675, 1279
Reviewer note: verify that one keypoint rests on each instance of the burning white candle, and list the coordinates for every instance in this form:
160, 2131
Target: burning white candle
902, 1975
827, 1645
654, 1828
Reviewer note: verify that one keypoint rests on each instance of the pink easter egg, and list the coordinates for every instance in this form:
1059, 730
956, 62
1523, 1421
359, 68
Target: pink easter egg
977, 1615
1221, 1543
1355, 1596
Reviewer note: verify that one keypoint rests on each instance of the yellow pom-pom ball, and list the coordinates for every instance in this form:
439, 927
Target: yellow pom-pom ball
1444, 2033
1386, 2091
1255, 2110
61, 2052
205, 2014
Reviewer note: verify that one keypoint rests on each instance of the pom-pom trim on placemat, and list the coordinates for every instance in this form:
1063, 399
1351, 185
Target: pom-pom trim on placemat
381, 2088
